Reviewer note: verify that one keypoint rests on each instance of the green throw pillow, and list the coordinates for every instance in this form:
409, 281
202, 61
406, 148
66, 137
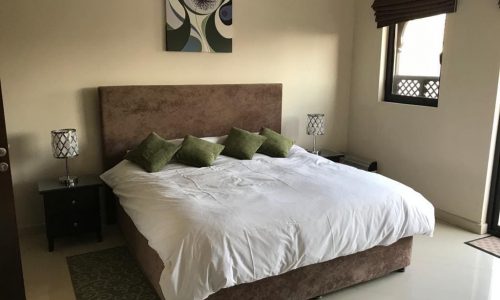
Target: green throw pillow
197, 152
275, 145
153, 153
242, 144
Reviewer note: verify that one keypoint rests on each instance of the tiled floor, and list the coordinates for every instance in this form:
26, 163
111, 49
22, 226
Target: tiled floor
443, 267
46, 274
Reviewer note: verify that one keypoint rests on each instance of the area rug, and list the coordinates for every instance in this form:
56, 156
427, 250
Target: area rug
489, 244
108, 274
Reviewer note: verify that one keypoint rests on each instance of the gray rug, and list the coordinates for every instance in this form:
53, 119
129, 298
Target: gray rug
489, 244
108, 274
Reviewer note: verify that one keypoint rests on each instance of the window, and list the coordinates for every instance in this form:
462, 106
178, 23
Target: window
414, 55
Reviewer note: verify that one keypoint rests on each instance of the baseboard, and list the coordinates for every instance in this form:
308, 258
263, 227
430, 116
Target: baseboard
461, 222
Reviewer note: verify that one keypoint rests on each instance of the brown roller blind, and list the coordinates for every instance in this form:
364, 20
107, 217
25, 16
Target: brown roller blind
390, 12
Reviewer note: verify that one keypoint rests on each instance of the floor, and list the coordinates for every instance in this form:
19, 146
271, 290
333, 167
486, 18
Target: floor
46, 274
443, 267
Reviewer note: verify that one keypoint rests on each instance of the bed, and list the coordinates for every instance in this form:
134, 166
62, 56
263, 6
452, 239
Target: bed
211, 110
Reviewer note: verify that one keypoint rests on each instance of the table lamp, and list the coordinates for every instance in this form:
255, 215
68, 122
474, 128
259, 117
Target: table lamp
315, 126
65, 145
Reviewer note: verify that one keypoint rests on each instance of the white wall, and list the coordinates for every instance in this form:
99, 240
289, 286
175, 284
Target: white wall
442, 152
55, 53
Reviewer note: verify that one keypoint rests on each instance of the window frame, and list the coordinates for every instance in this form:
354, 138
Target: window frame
389, 77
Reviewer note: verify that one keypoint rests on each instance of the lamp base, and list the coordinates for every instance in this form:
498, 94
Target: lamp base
68, 180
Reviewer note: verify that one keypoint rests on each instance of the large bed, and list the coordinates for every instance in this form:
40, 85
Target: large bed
268, 228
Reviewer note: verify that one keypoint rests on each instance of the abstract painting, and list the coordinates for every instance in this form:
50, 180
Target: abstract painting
199, 25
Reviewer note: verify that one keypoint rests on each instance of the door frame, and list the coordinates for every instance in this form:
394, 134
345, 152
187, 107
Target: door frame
11, 275
494, 198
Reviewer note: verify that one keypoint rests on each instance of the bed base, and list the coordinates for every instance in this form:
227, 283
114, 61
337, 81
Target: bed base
303, 283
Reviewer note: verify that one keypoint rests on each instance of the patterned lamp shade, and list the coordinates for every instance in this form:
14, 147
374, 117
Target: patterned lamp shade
315, 124
64, 143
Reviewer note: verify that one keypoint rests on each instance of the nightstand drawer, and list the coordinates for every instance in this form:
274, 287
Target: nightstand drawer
73, 224
70, 200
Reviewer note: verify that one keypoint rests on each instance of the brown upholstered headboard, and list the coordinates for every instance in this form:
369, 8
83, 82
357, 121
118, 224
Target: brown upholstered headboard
130, 113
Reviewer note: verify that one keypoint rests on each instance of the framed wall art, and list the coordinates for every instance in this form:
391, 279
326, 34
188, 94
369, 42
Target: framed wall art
199, 25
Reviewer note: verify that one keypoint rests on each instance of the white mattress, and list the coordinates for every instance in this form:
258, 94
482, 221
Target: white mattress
240, 221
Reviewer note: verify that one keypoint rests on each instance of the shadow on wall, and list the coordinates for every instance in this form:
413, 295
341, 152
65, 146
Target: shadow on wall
90, 138
30, 167
290, 22
23, 145
26, 155
290, 27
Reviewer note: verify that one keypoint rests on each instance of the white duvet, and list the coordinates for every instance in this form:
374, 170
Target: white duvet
240, 221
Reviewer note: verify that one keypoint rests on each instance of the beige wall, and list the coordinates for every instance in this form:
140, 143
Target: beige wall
442, 152
53, 55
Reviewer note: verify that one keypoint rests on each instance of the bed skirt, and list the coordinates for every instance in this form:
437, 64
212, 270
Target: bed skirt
299, 284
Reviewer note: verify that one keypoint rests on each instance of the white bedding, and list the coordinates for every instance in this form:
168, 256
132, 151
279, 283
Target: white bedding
240, 221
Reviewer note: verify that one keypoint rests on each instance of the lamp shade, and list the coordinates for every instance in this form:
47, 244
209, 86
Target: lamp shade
315, 124
64, 143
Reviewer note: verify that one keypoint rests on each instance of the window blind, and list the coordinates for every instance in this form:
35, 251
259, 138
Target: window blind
390, 12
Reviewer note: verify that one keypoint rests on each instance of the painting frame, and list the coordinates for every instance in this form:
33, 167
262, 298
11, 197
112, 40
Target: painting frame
199, 26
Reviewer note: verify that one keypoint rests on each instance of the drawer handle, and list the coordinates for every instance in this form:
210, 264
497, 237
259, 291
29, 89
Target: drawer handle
75, 224
73, 202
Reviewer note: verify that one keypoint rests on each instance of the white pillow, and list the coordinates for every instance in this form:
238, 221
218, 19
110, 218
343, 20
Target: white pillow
211, 139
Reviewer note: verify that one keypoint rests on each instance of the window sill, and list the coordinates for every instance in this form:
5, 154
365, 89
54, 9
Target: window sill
412, 101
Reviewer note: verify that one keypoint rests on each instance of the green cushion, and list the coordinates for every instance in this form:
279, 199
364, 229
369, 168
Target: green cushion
242, 144
153, 153
197, 152
275, 145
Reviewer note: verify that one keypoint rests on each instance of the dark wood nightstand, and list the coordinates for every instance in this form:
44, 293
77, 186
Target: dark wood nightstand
71, 210
333, 156
353, 161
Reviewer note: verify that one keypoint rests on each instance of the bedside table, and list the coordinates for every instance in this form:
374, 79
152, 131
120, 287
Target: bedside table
353, 161
71, 210
333, 156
